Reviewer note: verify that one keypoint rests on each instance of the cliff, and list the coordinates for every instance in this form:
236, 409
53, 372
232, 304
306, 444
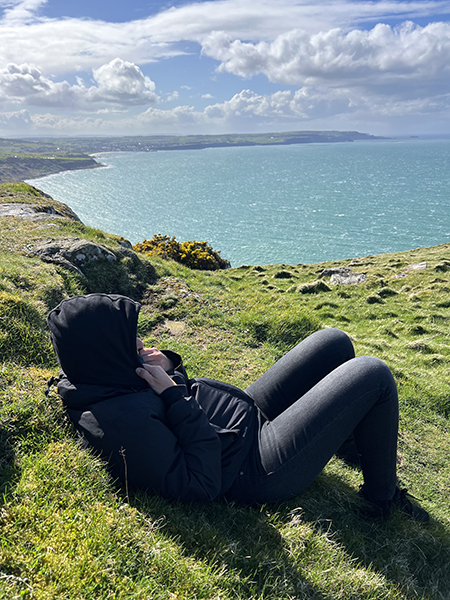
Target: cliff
19, 168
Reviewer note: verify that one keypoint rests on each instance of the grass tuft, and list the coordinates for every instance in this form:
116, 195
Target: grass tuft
22, 335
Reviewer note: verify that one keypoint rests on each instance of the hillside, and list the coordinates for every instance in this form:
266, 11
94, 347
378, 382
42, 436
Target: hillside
68, 531
22, 159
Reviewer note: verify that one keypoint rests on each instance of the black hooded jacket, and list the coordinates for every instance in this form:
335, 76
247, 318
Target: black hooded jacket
187, 443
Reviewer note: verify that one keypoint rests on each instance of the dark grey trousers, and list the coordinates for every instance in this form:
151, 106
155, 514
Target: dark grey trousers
310, 401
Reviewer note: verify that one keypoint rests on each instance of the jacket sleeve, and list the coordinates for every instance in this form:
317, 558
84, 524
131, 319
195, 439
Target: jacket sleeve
179, 458
178, 373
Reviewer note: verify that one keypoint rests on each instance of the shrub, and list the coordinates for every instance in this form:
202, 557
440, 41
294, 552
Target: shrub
195, 255
128, 276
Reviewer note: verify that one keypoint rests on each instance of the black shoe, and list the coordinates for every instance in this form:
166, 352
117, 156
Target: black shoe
417, 513
383, 508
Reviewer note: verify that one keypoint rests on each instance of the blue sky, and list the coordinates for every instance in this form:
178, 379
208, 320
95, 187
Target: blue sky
144, 67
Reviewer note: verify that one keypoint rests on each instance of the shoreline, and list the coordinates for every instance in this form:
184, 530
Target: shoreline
26, 159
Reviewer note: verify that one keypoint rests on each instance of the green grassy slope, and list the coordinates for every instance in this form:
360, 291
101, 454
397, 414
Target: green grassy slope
68, 532
27, 159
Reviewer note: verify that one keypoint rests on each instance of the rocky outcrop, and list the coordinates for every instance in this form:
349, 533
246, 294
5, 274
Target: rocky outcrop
343, 276
73, 253
30, 204
334, 271
33, 212
348, 278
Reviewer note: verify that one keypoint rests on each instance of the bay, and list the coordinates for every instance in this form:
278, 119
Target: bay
271, 204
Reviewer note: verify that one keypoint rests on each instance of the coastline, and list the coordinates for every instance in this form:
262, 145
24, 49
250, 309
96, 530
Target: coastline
20, 169
26, 159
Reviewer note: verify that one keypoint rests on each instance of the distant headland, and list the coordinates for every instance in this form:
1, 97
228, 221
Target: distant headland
29, 158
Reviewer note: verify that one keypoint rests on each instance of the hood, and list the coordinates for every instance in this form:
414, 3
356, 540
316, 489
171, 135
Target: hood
94, 339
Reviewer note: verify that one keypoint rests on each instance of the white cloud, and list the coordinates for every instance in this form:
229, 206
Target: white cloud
118, 83
20, 81
15, 121
382, 58
173, 96
333, 69
123, 83
283, 106
49, 123
245, 111
21, 11
75, 45
309, 104
59, 46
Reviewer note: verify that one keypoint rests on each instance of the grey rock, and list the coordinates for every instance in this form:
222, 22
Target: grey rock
417, 267
334, 271
343, 276
72, 253
32, 212
348, 278
126, 244
16, 210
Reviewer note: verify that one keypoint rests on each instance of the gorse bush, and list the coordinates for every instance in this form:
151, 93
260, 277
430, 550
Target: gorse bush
192, 254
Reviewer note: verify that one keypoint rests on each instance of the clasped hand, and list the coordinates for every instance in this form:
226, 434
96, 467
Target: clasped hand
155, 367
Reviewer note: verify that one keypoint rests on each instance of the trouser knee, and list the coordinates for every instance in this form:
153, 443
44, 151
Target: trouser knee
336, 342
378, 372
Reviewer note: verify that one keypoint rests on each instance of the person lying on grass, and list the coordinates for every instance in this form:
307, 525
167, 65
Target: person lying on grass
200, 439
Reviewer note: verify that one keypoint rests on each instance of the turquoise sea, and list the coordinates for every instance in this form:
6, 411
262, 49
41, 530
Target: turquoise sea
274, 204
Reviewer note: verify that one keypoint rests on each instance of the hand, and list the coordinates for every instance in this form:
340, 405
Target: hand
156, 377
153, 356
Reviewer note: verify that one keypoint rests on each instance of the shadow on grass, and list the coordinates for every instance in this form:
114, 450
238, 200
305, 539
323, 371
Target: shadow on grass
9, 473
238, 542
27, 425
310, 547
412, 556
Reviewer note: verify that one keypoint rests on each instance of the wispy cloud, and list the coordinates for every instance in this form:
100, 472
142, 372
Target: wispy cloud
19, 12
18, 121
68, 45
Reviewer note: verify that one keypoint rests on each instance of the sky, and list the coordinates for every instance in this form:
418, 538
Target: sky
151, 67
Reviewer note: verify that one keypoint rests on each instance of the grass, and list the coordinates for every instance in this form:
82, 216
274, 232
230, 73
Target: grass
68, 532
